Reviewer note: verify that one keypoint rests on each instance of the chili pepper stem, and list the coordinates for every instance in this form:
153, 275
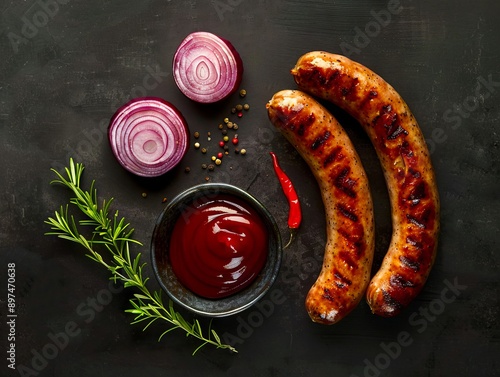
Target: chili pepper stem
293, 232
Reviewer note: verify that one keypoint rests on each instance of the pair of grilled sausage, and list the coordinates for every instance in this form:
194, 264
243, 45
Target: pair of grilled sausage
325, 146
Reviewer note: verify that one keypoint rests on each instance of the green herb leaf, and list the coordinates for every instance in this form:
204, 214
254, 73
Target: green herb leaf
114, 237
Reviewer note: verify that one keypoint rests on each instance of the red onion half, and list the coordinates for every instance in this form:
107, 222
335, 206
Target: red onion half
148, 136
207, 68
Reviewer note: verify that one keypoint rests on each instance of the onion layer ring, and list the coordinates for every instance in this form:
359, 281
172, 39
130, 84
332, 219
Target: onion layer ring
207, 68
148, 136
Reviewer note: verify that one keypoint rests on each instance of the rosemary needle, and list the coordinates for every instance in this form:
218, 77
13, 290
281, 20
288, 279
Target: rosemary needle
114, 236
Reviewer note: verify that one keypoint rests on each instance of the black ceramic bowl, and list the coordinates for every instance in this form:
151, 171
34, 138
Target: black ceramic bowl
182, 296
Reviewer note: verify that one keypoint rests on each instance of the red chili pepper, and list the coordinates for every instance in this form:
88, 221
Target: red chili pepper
295, 212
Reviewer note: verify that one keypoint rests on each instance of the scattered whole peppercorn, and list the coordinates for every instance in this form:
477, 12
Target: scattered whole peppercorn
218, 162
204, 166
203, 150
219, 155
243, 151
246, 106
196, 135
144, 195
197, 145
243, 93
240, 114
187, 169
221, 143
211, 167
235, 141
239, 107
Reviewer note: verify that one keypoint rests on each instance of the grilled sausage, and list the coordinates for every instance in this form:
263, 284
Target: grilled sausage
328, 151
407, 168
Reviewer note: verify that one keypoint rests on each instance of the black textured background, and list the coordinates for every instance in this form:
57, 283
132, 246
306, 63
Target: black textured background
61, 81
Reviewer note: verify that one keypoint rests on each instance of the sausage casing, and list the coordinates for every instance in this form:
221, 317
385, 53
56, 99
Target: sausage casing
326, 148
407, 167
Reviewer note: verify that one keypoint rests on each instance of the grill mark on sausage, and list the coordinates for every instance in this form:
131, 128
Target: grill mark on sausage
347, 213
327, 295
399, 281
342, 281
335, 154
320, 140
410, 263
414, 242
391, 301
414, 221
344, 183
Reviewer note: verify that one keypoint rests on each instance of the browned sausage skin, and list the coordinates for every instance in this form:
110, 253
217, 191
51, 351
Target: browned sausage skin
328, 151
407, 167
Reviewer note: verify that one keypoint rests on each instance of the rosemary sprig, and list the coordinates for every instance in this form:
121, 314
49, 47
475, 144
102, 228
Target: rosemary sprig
113, 235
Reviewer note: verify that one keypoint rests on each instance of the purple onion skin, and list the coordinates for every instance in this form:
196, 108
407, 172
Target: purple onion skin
237, 65
141, 168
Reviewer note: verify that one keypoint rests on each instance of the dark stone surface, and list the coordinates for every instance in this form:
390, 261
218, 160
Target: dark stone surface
64, 69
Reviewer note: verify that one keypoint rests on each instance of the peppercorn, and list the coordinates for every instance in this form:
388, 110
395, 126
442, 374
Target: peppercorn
213, 158
233, 110
144, 195
239, 107
224, 132
221, 144
226, 148
196, 135
203, 150
197, 145
211, 167
243, 151
240, 114
235, 126
187, 169
164, 200
230, 125
243, 93
218, 162
235, 141
207, 179
226, 120
246, 106
236, 150
221, 126
204, 166
219, 155
225, 138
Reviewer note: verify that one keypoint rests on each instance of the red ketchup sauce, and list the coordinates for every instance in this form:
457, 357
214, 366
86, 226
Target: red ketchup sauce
218, 246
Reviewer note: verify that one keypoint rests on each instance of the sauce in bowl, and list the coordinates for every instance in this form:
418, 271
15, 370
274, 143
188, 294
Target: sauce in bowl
218, 246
